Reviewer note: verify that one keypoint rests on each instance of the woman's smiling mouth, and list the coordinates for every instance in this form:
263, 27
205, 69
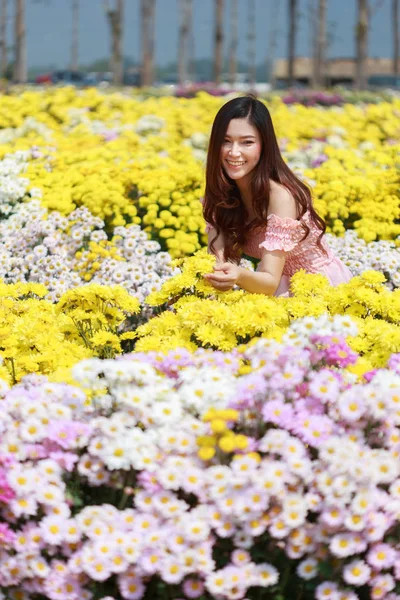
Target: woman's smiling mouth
236, 163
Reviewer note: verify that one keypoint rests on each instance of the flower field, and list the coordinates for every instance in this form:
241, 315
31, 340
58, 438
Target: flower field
162, 440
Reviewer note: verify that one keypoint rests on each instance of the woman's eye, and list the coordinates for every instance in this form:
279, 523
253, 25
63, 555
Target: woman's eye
248, 142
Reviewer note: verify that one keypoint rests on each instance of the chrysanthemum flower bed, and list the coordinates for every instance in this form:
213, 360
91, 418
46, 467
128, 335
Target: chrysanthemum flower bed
232, 466
269, 473
196, 315
141, 162
63, 252
40, 337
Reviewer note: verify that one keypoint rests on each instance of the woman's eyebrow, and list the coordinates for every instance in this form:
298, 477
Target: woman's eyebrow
242, 137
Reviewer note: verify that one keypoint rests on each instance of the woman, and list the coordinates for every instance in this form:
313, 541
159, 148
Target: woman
254, 204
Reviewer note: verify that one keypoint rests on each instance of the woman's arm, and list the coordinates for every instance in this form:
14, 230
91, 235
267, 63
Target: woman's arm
268, 275
264, 281
269, 271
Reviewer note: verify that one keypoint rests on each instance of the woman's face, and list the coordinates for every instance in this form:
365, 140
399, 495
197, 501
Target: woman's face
241, 149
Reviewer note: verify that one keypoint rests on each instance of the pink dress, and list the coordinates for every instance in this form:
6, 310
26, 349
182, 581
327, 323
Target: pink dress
286, 234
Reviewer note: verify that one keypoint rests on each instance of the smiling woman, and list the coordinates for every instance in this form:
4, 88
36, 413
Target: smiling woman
254, 204
241, 149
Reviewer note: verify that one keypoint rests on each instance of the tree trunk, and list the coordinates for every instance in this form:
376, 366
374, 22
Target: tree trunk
251, 38
219, 40
396, 41
3, 38
147, 11
191, 55
272, 43
362, 44
234, 42
20, 70
292, 40
320, 45
75, 36
115, 18
313, 27
184, 38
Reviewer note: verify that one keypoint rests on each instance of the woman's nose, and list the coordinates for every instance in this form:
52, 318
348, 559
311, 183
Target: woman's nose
234, 151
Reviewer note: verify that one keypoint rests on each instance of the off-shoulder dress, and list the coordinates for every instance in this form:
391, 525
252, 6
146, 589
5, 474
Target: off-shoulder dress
286, 234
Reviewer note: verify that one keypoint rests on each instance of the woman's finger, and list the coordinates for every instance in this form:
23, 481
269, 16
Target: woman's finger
220, 277
221, 286
221, 266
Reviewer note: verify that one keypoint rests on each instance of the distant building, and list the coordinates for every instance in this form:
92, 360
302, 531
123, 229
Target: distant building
338, 70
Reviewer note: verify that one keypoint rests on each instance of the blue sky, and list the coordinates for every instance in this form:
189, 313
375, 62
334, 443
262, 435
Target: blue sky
49, 30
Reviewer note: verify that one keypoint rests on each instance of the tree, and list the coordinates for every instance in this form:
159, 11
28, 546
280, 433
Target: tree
320, 46
234, 42
251, 38
362, 28
115, 21
272, 43
191, 56
184, 39
292, 7
3, 38
147, 12
20, 69
396, 42
218, 39
75, 36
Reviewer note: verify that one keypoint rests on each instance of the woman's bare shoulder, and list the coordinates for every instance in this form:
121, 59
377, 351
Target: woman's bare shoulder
281, 201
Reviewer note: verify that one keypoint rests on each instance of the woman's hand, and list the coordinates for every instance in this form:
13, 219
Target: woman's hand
225, 276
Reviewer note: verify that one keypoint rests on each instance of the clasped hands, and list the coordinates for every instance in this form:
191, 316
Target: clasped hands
225, 276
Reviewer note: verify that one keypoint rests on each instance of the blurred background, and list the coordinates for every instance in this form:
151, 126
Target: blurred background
188, 45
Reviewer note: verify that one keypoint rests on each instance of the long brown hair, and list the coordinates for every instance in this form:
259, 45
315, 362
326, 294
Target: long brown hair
222, 206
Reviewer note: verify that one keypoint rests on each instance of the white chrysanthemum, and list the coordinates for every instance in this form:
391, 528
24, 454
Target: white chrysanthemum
356, 573
39, 567
164, 413
117, 454
307, 569
266, 575
33, 430
22, 480
195, 530
87, 371
216, 583
385, 468
294, 510
49, 495
52, 529
355, 522
149, 124
394, 488
23, 506
350, 407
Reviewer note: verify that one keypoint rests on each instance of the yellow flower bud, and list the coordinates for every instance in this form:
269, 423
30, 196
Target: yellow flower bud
255, 456
207, 441
227, 443
231, 414
206, 453
210, 414
241, 442
245, 370
218, 425
166, 233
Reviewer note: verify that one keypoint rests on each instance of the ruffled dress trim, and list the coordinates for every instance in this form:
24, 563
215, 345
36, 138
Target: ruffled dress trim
283, 233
